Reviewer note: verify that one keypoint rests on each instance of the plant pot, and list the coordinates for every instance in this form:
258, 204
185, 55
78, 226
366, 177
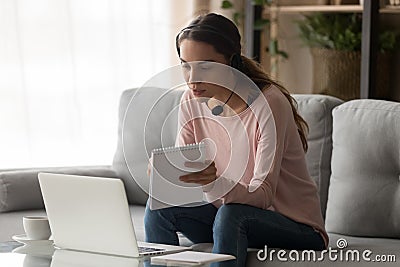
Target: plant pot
337, 73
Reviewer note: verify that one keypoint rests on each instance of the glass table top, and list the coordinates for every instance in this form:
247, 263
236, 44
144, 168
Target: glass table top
14, 254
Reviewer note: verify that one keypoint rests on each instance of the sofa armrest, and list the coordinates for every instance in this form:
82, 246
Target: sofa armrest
20, 190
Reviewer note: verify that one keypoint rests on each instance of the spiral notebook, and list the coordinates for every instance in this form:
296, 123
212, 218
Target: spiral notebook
166, 190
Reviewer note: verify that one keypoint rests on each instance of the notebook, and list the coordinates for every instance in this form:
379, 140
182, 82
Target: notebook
166, 190
92, 214
190, 258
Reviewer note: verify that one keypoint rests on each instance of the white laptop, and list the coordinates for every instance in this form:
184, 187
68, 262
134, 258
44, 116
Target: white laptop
92, 214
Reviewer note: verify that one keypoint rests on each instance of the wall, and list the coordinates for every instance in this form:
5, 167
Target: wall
295, 73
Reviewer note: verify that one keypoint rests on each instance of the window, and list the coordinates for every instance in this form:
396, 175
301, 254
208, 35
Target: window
63, 66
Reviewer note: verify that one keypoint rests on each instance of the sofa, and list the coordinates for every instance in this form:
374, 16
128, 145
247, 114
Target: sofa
353, 156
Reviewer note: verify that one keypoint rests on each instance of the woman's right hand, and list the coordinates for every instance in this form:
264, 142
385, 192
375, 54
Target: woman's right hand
207, 175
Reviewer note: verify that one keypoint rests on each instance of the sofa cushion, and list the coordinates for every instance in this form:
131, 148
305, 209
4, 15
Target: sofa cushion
364, 194
317, 112
20, 190
148, 119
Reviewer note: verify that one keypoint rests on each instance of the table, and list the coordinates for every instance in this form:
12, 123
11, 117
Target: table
14, 254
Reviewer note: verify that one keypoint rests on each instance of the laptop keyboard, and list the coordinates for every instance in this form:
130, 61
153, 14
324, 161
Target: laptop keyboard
147, 250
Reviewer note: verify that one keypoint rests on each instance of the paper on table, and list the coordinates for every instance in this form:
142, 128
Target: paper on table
191, 258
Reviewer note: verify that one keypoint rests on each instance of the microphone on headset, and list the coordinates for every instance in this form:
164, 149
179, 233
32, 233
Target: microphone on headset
220, 108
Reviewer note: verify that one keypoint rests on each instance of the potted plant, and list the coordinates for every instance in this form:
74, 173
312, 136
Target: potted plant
335, 42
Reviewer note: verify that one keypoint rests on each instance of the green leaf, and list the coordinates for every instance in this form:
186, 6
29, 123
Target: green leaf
273, 47
258, 2
338, 31
226, 4
236, 17
387, 41
283, 54
259, 24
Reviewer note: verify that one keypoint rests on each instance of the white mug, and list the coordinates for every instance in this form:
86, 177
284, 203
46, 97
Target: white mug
37, 227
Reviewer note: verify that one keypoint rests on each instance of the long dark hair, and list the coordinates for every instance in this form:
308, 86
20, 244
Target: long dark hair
223, 35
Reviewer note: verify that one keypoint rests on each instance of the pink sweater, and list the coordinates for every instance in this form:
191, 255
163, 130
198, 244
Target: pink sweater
259, 157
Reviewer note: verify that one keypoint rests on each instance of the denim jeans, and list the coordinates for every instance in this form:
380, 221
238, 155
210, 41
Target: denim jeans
232, 228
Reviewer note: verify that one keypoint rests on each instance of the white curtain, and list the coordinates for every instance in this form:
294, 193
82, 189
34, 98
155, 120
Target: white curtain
63, 66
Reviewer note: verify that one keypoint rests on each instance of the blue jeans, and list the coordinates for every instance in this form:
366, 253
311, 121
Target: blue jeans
232, 228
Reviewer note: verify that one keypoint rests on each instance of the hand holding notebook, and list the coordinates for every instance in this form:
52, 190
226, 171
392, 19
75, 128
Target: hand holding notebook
204, 177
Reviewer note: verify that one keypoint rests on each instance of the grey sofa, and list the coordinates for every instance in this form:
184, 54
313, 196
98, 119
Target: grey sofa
353, 156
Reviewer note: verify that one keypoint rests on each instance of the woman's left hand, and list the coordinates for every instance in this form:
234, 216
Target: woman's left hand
207, 175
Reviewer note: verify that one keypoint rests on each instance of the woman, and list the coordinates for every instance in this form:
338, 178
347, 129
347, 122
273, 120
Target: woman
275, 202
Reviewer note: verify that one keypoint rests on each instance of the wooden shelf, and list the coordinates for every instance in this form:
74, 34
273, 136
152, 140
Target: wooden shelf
326, 8
390, 9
